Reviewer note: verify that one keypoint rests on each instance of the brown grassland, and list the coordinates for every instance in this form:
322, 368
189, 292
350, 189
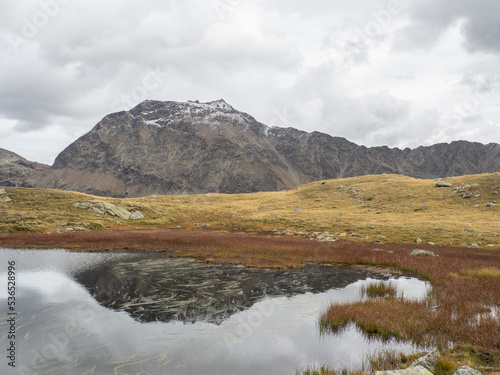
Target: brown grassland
461, 315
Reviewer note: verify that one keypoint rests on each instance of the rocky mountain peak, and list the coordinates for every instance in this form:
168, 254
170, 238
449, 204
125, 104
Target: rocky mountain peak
164, 114
192, 147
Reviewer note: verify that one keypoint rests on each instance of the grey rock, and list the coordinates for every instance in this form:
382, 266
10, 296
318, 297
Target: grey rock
419, 252
466, 370
443, 184
5, 199
469, 230
297, 209
417, 370
428, 361
490, 204
2, 191
467, 195
418, 240
100, 207
474, 246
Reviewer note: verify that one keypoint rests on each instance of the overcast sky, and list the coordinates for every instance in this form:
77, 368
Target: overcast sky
401, 73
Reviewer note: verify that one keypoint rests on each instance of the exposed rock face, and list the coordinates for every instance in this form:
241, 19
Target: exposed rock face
428, 361
174, 148
105, 208
168, 147
17, 171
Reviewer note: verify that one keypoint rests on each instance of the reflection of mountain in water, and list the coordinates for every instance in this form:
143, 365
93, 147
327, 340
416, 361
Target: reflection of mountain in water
165, 289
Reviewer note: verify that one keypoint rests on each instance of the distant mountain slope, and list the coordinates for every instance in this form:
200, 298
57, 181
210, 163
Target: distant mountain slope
17, 171
181, 148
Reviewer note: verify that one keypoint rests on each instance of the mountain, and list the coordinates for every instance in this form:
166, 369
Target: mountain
17, 171
183, 148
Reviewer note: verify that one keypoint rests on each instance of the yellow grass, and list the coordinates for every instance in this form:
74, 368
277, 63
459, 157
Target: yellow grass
387, 208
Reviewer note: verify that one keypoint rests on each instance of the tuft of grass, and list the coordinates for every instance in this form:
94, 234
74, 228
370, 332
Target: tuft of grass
379, 289
388, 360
445, 366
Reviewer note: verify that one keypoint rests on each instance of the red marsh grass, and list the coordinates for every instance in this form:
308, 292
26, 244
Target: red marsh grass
465, 281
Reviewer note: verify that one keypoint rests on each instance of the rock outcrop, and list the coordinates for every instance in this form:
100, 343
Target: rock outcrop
100, 207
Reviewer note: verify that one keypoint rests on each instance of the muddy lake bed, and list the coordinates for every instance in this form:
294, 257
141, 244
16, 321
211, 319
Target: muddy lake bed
147, 313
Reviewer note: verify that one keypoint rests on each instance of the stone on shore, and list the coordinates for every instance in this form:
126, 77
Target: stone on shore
428, 361
466, 370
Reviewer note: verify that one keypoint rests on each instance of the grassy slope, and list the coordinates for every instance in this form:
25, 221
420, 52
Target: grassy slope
389, 208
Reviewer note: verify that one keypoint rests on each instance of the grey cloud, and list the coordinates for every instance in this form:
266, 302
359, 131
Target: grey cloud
429, 19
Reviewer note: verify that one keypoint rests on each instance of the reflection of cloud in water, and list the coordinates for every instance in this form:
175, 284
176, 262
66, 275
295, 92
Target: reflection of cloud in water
272, 335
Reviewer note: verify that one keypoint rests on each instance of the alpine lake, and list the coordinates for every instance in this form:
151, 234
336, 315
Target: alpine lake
148, 313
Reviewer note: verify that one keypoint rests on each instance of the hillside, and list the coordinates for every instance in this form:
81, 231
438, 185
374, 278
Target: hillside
375, 208
191, 148
17, 171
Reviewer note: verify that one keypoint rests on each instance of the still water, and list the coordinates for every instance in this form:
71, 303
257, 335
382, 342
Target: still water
145, 313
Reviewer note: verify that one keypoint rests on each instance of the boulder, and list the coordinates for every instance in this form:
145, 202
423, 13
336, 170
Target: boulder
419, 252
466, 370
105, 208
428, 361
417, 370
443, 184
5, 200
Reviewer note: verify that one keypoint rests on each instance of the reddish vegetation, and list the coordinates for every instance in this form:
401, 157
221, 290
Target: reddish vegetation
459, 294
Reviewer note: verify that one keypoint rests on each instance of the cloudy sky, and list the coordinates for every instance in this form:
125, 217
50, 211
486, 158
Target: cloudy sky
401, 73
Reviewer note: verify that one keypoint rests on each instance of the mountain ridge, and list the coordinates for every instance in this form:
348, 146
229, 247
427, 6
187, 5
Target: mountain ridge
167, 147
